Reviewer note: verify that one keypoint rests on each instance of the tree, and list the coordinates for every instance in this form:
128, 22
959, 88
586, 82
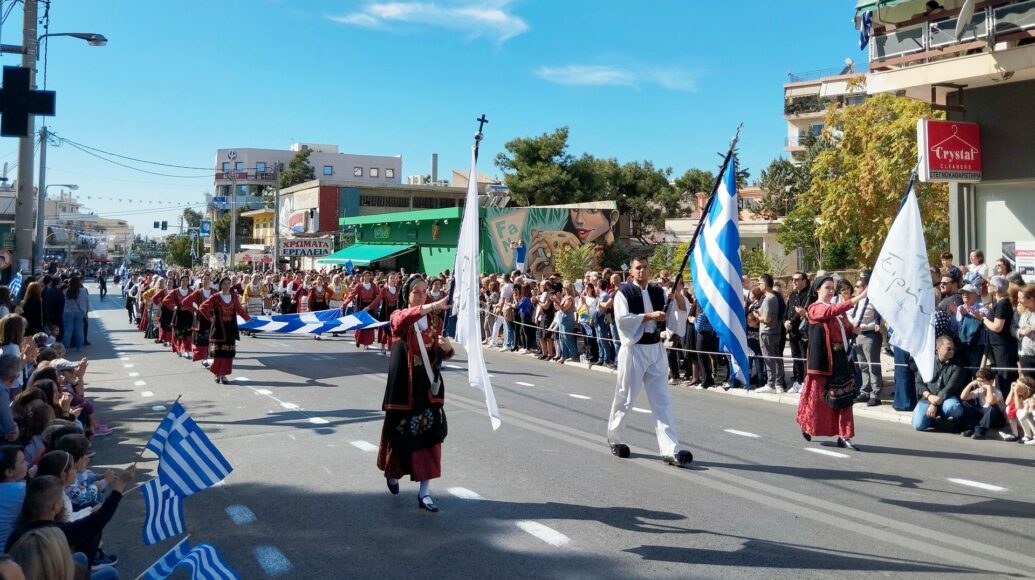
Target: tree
695, 181
643, 191
573, 263
178, 250
798, 230
778, 183
221, 227
192, 218
857, 185
743, 173
299, 170
669, 257
756, 262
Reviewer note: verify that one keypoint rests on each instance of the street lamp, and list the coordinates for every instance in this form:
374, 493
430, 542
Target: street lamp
92, 38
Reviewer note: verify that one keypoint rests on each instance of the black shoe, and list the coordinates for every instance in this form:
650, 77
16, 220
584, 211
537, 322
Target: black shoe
218, 381
620, 450
86, 343
978, 434
680, 459
103, 559
427, 504
873, 402
694, 382
967, 432
393, 487
863, 398
846, 444
806, 436
224, 380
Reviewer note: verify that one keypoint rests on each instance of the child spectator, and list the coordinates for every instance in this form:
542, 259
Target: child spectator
12, 487
38, 419
44, 553
984, 404
59, 464
1020, 409
88, 489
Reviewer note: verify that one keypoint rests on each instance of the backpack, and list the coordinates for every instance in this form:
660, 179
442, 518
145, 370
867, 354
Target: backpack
969, 331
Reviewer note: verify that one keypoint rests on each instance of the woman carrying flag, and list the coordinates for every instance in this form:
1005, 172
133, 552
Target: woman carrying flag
222, 310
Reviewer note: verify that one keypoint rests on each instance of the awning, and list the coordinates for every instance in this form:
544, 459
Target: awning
364, 254
444, 213
895, 11
435, 260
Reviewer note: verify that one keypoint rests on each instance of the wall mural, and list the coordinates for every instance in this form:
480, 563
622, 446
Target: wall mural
545, 232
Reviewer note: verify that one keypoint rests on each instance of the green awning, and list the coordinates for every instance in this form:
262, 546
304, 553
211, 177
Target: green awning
444, 213
434, 260
364, 254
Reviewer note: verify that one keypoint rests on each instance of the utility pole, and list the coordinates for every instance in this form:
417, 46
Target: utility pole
39, 253
233, 218
276, 217
26, 146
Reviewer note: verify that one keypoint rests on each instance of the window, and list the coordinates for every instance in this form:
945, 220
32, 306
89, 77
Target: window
239, 166
374, 172
260, 166
328, 170
383, 201
389, 173
816, 130
357, 172
226, 166
431, 202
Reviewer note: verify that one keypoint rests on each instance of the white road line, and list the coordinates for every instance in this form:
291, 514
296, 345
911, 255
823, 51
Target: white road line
741, 433
243, 379
158, 408
131, 375
574, 396
325, 356
977, 484
639, 410
264, 392
544, 533
524, 384
128, 366
454, 367
291, 406
139, 383
318, 421
124, 358
826, 452
272, 560
293, 438
240, 514
464, 493
146, 394
364, 446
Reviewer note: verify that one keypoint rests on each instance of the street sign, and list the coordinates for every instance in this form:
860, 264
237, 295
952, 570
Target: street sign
219, 199
206, 228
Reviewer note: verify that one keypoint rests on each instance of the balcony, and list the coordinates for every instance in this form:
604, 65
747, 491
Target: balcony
796, 143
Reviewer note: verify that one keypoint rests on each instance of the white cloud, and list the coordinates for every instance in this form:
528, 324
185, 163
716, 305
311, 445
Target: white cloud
589, 75
478, 18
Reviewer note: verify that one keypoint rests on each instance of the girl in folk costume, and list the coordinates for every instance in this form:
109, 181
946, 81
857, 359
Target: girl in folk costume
368, 298
288, 290
302, 296
255, 298
183, 317
153, 298
145, 302
319, 295
202, 327
415, 422
222, 310
165, 314
827, 363
337, 292
391, 300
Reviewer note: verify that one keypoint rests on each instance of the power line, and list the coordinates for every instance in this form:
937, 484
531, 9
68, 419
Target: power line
91, 153
73, 143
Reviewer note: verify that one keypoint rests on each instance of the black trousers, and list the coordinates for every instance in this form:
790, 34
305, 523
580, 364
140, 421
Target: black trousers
1028, 366
707, 342
798, 350
1005, 358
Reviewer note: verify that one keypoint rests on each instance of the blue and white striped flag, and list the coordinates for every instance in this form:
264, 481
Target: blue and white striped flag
716, 269
321, 322
164, 512
349, 268
160, 268
206, 563
165, 565
189, 461
15, 285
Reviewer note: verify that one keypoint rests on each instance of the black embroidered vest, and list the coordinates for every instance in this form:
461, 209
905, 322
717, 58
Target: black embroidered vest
634, 297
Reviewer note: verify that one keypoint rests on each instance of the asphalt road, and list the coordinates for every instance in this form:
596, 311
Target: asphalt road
542, 497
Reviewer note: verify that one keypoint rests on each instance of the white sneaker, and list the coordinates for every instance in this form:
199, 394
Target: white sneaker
795, 388
673, 382
1030, 442
781, 390
698, 387
765, 390
1007, 436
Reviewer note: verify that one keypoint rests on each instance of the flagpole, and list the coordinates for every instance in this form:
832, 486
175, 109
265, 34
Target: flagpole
707, 208
478, 136
141, 454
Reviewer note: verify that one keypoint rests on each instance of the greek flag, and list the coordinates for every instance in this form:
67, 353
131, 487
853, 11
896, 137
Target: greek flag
189, 462
349, 268
164, 512
165, 565
321, 322
160, 269
15, 285
865, 29
716, 269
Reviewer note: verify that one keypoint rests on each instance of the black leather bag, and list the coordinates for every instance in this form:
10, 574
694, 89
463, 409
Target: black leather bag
839, 392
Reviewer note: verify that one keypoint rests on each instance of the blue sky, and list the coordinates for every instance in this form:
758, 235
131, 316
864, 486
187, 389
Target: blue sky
666, 81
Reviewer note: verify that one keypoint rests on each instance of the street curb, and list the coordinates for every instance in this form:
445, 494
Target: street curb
885, 412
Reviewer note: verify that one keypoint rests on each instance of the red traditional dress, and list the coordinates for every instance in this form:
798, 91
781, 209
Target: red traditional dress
391, 300
165, 317
183, 319
815, 417
202, 327
142, 325
319, 299
222, 312
366, 299
415, 421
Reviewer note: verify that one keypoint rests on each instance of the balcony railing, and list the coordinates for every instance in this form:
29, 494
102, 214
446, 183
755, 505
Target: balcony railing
798, 141
815, 75
988, 25
809, 105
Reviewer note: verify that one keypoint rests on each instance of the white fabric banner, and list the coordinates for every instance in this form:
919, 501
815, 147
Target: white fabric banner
465, 297
901, 289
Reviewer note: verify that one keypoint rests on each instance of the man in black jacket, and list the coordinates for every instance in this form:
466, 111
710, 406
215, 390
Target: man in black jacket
939, 402
797, 301
53, 305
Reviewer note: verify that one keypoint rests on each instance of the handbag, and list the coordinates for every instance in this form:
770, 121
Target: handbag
839, 392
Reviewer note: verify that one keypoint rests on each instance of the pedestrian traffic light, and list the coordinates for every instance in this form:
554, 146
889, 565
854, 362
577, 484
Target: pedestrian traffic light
157, 225
165, 226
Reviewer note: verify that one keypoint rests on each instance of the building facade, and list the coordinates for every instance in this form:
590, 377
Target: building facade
808, 96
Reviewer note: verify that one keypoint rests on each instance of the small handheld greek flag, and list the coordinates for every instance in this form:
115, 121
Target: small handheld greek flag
175, 416
15, 285
164, 512
189, 461
204, 562
165, 565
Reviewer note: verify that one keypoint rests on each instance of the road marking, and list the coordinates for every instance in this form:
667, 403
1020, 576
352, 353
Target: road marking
291, 406
744, 434
131, 375
244, 379
124, 358
272, 560
325, 357
454, 367
146, 394
240, 514
639, 410
139, 383
977, 484
364, 446
158, 408
264, 392
826, 452
574, 396
128, 366
293, 438
464, 493
492, 376
544, 533
318, 421
524, 384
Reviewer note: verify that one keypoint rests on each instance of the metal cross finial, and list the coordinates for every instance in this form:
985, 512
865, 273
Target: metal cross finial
481, 122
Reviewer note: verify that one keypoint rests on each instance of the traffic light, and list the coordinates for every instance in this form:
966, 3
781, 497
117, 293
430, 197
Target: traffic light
165, 226
157, 225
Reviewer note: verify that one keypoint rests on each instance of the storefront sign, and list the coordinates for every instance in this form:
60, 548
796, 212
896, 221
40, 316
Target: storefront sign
949, 151
1024, 258
306, 247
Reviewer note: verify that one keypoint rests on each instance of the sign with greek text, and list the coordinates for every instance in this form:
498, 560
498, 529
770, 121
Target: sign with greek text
306, 247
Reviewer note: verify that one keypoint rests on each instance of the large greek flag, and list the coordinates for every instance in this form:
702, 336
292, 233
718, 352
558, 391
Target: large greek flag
189, 461
321, 322
164, 512
716, 269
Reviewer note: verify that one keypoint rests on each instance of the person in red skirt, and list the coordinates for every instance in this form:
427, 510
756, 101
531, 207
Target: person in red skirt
144, 305
827, 357
415, 421
183, 317
222, 310
165, 315
367, 297
202, 327
318, 299
391, 299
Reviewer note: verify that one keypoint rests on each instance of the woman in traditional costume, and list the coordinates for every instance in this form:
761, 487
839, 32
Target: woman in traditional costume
222, 310
319, 298
165, 315
367, 297
391, 299
827, 359
183, 317
202, 326
153, 298
255, 299
415, 421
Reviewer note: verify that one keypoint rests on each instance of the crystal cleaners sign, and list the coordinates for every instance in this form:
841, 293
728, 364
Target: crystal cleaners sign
306, 247
949, 150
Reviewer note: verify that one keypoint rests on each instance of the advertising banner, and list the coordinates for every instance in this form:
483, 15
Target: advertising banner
949, 151
306, 247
